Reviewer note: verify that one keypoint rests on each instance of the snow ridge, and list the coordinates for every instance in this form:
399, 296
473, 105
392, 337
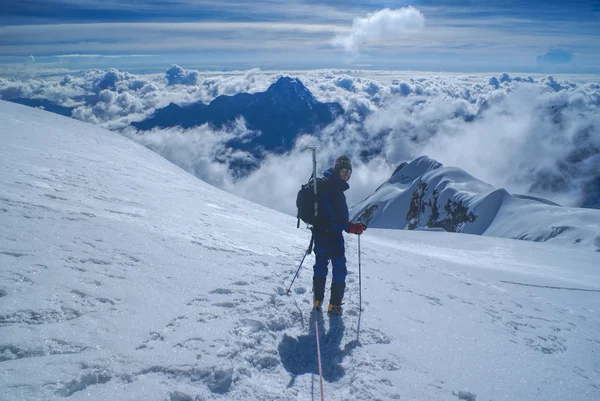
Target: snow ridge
425, 194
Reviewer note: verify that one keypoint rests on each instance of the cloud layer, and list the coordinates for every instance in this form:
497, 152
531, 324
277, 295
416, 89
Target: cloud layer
538, 135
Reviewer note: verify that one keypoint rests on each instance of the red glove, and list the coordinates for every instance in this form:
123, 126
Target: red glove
356, 228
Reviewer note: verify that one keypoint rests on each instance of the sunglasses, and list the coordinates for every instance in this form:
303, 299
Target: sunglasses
346, 170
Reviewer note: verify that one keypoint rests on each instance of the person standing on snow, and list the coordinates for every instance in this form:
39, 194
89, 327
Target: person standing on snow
329, 240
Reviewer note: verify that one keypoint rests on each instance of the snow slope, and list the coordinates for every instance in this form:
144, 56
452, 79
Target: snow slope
497, 213
122, 277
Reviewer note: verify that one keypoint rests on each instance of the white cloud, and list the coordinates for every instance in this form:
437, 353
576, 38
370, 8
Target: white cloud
195, 150
382, 25
178, 76
522, 136
280, 176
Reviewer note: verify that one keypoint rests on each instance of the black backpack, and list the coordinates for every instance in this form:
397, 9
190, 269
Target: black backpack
305, 201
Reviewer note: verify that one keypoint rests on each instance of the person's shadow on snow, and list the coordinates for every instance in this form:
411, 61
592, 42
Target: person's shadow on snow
299, 355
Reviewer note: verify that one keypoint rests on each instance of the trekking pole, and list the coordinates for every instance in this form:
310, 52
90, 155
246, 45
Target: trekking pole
360, 309
359, 279
312, 238
298, 271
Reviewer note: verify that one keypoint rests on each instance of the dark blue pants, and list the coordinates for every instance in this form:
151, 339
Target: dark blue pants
330, 246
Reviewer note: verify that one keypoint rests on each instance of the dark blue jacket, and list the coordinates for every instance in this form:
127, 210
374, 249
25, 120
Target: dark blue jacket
333, 204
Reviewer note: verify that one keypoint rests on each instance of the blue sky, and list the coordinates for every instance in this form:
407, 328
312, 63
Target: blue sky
461, 36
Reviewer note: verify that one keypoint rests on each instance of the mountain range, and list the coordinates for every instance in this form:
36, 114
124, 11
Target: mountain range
284, 111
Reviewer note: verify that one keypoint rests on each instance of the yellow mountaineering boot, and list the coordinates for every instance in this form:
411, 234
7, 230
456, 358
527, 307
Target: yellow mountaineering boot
334, 310
318, 291
335, 302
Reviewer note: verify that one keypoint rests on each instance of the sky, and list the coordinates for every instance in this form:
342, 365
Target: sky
147, 36
124, 277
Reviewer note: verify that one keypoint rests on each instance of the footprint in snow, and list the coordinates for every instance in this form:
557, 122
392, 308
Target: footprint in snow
224, 291
82, 382
465, 395
225, 304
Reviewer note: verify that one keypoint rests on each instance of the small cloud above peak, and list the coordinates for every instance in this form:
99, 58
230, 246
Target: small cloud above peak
384, 24
176, 75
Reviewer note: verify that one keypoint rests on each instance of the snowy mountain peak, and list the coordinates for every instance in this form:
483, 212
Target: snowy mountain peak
423, 194
290, 90
282, 113
407, 172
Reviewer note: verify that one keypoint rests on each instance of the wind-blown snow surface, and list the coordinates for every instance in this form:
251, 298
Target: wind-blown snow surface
122, 277
496, 212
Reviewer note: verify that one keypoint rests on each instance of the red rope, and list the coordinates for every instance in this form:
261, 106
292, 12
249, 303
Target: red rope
319, 359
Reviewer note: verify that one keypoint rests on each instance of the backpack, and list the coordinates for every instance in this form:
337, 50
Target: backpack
305, 201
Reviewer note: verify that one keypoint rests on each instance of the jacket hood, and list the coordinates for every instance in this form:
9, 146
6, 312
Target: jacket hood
335, 178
